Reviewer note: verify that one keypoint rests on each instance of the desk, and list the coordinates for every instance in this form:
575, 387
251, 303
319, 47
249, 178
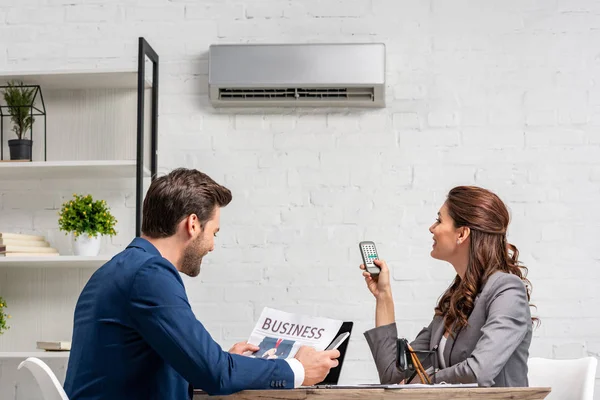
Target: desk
383, 394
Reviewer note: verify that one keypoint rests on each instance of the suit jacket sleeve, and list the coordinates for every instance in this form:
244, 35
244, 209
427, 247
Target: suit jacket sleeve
161, 313
505, 327
382, 342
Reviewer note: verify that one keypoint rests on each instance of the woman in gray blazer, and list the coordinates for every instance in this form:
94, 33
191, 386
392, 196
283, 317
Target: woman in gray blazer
482, 325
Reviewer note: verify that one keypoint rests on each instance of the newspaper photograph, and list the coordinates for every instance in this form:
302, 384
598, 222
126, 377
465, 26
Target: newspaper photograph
279, 334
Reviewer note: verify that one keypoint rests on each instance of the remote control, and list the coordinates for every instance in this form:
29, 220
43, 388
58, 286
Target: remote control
369, 253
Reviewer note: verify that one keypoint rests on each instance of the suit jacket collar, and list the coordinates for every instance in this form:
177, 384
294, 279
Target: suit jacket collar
145, 245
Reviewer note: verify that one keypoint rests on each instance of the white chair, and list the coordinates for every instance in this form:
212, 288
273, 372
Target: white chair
569, 379
46, 380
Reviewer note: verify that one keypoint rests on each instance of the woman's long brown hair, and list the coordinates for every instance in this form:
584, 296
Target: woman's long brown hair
487, 218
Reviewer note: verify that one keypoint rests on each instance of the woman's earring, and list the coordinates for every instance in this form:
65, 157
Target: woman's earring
458, 241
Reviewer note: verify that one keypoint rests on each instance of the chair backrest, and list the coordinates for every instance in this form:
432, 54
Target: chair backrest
46, 380
569, 379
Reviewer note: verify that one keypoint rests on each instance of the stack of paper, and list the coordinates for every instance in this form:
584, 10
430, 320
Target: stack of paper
396, 386
54, 346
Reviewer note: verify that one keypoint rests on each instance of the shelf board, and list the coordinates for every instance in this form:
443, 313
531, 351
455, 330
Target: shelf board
78, 79
17, 170
38, 354
54, 262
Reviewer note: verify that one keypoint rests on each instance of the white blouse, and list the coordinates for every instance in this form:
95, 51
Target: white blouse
441, 348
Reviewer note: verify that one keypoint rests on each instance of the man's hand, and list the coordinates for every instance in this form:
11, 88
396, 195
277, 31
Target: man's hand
243, 347
316, 363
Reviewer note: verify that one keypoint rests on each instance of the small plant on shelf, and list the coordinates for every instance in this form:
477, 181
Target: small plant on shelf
19, 102
87, 220
3, 316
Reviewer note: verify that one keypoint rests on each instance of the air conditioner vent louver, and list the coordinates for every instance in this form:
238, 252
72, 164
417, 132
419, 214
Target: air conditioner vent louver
299, 94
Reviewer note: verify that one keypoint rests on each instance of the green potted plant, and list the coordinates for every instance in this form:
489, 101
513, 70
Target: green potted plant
3, 316
87, 220
19, 100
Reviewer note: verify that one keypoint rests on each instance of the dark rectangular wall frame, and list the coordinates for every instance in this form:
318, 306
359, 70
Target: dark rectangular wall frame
145, 50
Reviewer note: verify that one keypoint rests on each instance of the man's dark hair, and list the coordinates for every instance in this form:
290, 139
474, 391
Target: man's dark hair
175, 196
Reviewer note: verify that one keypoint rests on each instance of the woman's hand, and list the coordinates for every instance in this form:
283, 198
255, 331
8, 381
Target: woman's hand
379, 285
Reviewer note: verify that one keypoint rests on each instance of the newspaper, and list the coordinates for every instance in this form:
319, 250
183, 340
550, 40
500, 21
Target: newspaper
279, 334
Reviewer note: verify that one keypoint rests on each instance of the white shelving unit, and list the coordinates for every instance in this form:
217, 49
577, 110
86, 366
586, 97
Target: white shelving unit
92, 131
90, 115
69, 169
53, 262
39, 354
79, 79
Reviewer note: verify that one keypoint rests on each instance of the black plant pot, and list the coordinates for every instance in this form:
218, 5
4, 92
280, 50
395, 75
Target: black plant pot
20, 149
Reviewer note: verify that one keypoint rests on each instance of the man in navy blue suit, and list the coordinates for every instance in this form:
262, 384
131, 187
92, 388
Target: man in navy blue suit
135, 335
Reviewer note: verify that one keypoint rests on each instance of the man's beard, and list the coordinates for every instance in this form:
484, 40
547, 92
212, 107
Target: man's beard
192, 257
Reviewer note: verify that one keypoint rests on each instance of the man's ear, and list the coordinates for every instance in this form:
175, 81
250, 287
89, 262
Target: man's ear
193, 226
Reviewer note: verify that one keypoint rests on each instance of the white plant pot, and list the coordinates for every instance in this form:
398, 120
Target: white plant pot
83, 245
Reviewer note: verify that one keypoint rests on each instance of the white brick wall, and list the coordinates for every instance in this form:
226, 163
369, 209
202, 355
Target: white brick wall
501, 95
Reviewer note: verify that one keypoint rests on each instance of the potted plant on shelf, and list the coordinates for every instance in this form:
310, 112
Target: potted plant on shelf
87, 220
19, 101
3, 316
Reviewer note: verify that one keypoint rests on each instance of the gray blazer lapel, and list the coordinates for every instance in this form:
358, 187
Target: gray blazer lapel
450, 341
437, 331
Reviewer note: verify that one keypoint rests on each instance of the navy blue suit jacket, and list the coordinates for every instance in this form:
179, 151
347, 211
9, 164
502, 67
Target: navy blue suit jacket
135, 337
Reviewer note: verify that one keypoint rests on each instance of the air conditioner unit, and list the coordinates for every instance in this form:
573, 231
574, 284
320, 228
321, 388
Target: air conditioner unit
297, 75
